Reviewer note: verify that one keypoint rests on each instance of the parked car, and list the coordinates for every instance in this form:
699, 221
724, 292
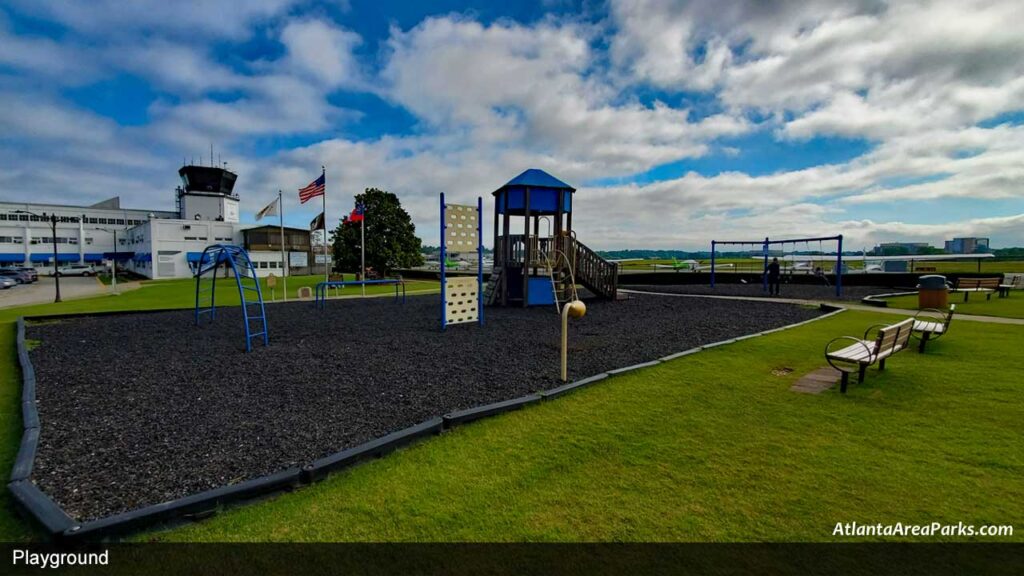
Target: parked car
77, 270
32, 273
7, 282
16, 275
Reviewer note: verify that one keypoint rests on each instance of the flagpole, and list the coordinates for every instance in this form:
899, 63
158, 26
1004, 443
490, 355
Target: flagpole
284, 258
326, 273
362, 247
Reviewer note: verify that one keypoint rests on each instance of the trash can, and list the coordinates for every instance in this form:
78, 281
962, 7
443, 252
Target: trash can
932, 292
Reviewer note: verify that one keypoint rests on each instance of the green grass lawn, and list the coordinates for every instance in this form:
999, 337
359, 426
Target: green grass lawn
1010, 307
967, 266
710, 447
152, 295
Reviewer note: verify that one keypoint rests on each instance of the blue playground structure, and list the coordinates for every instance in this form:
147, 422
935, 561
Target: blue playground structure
765, 248
244, 273
539, 267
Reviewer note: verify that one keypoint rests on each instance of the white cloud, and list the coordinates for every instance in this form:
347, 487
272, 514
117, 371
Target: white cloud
869, 69
559, 94
323, 51
538, 88
195, 20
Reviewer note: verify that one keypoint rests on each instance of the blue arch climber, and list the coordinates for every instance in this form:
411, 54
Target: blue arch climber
248, 284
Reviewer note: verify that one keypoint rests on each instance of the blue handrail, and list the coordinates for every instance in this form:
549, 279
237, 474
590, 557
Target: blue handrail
320, 295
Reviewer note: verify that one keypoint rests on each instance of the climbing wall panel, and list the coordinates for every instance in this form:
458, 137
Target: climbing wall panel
460, 232
462, 300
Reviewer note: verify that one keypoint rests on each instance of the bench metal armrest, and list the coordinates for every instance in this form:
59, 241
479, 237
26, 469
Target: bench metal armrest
931, 314
873, 327
869, 360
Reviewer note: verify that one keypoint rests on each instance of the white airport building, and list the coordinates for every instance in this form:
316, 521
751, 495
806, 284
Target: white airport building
153, 243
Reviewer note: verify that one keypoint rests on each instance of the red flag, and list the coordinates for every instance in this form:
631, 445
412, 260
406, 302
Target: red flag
357, 214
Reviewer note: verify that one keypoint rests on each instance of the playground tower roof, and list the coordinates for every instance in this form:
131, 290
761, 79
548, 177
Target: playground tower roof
535, 178
535, 192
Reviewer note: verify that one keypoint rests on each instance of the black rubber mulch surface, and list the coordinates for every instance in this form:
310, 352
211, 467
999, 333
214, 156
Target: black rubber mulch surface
796, 291
139, 409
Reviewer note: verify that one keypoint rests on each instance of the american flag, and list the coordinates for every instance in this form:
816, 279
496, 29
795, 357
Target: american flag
315, 188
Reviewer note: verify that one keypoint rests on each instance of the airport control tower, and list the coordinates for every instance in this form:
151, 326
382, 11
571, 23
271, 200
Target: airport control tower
207, 193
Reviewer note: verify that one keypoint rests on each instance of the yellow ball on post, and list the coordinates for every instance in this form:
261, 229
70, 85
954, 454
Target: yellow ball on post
577, 309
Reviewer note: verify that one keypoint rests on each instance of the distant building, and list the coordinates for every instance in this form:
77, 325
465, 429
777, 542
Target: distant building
152, 243
900, 248
85, 234
264, 246
969, 245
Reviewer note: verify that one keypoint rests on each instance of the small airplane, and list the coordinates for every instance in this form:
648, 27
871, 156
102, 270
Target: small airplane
690, 266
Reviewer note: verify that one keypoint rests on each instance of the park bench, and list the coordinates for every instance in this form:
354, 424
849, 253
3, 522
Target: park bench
864, 352
986, 286
931, 323
1011, 282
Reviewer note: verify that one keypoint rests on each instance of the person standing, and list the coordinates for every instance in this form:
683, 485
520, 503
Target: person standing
773, 277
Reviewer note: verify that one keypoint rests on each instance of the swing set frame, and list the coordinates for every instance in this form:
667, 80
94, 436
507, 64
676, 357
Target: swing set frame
765, 247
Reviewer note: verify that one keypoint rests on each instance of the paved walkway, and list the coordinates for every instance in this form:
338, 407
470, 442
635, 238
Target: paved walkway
817, 381
71, 288
847, 305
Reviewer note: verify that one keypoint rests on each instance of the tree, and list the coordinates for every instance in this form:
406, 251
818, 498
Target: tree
391, 240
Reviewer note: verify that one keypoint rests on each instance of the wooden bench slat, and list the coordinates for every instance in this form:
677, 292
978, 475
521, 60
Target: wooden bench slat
934, 327
854, 352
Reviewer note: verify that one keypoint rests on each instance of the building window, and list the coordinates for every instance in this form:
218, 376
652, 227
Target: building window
23, 217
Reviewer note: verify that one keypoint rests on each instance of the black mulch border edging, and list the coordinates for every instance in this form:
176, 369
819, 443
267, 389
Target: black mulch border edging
878, 300
319, 469
200, 505
470, 414
26, 457
61, 527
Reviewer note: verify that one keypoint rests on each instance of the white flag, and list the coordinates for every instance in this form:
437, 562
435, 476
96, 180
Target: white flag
268, 210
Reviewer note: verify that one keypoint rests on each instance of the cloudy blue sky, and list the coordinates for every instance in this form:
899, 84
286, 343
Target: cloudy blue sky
678, 121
